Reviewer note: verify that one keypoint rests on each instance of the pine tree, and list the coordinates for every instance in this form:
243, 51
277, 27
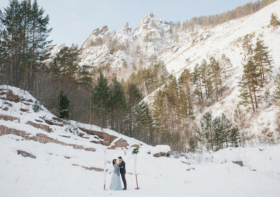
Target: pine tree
207, 80
159, 114
85, 77
263, 61
216, 73
234, 137
274, 20
182, 105
38, 36
227, 129
249, 86
101, 98
145, 120
197, 81
172, 92
208, 130
159, 74
192, 144
53, 68
226, 66
118, 103
218, 133
185, 84
74, 59
133, 97
23, 42
63, 106
172, 96
164, 118
66, 62
240, 120
247, 45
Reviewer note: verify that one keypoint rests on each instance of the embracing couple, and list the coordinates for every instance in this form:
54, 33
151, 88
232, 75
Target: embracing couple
119, 169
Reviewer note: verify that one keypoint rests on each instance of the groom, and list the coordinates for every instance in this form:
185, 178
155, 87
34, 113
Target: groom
122, 171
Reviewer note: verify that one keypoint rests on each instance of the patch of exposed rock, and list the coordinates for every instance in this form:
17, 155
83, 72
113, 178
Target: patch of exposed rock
8, 118
40, 126
238, 163
105, 136
41, 138
25, 154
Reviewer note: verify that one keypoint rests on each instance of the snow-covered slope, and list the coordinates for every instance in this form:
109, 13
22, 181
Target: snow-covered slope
222, 38
17, 106
226, 39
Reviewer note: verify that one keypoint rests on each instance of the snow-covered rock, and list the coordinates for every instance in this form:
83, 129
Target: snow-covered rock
161, 150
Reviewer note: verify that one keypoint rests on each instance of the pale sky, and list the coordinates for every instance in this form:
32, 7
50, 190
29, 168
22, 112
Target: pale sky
74, 20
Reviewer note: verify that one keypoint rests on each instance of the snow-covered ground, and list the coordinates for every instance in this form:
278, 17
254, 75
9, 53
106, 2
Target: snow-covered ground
54, 175
58, 170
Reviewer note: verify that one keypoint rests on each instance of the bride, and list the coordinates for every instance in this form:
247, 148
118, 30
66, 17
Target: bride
116, 181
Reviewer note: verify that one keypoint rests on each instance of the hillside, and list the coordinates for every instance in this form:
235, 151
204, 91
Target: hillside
225, 39
67, 161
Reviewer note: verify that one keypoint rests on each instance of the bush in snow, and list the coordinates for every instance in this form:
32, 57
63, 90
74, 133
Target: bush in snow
63, 105
274, 20
37, 107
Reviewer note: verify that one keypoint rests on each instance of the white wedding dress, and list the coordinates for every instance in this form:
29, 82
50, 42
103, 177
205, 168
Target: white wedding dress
116, 180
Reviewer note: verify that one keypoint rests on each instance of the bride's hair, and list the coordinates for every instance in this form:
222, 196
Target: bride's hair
114, 161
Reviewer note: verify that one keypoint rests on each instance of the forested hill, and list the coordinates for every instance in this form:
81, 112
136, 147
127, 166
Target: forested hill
211, 81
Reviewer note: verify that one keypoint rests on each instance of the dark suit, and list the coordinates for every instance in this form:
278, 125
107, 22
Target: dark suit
123, 171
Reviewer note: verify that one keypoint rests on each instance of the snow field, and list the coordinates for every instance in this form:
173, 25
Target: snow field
54, 175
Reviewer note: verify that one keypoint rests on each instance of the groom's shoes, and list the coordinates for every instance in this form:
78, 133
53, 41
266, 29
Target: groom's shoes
124, 188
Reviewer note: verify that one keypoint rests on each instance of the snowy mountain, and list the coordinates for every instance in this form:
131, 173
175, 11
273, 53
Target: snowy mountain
185, 49
152, 37
149, 27
42, 155
152, 40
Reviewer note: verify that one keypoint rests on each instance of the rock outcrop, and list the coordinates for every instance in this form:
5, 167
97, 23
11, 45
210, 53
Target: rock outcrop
25, 154
238, 163
94, 168
120, 143
40, 126
8, 118
56, 123
162, 154
12, 97
135, 145
104, 136
161, 151
41, 138
104, 29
